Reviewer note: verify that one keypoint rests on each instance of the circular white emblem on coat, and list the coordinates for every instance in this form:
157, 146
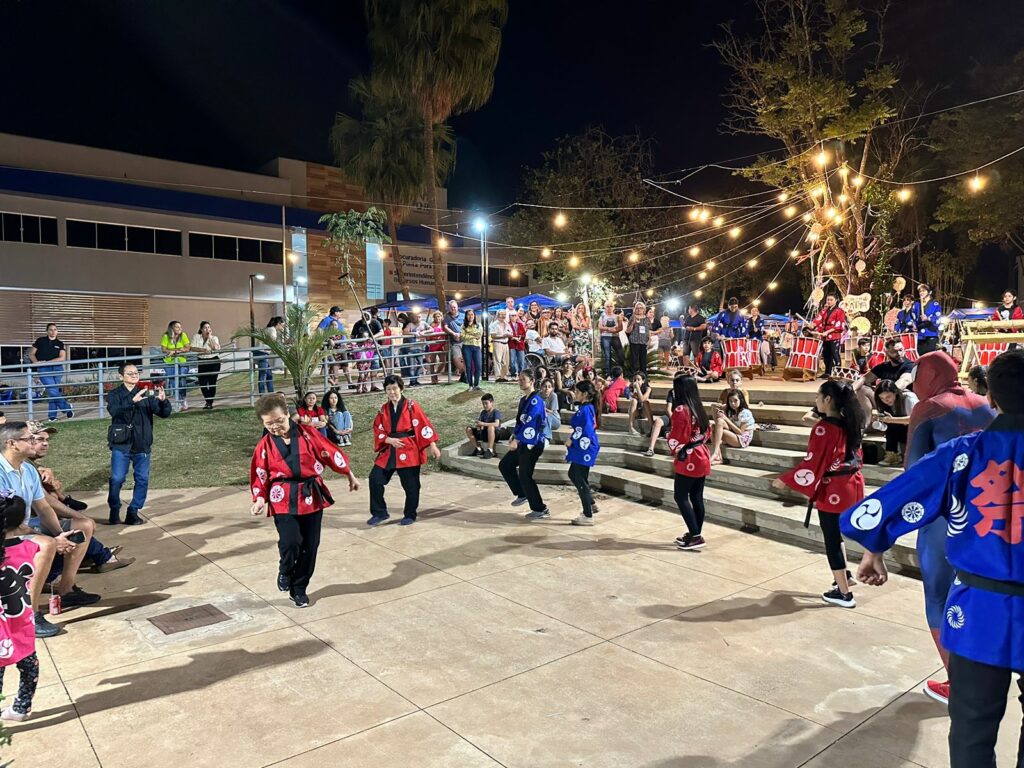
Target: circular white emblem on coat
401, 457
955, 617
380, 436
809, 456
308, 500
339, 460
867, 516
426, 433
673, 444
324, 454
819, 430
261, 473
415, 422
256, 490
835, 465
263, 454
584, 443
318, 468
586, 457
912, 512
529, 433
277, 494
6, 648
834, 499
960, 462
690, 467
803, 477
577, 433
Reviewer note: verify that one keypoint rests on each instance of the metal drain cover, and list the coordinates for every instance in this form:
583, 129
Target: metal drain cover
189, 618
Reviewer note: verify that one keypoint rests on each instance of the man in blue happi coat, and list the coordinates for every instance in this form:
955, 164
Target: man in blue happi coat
975, 482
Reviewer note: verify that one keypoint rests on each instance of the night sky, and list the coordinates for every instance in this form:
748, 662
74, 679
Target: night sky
234, 83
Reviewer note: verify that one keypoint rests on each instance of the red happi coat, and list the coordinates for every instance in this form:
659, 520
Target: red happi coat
830, 324
295, 485
826, 451
691, 460
412, 426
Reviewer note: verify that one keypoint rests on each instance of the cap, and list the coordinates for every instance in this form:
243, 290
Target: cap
335, 309
35, 427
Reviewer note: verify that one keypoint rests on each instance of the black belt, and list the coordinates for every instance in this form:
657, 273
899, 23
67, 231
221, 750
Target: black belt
851, 469
407, 433
308, 487
1012, 588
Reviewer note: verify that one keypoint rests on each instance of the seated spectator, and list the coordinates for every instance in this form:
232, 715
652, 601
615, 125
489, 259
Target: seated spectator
312, 414
660, 423
734, 425
554, 416
339, 420
735, 382
589, 373
895, 368
565, 383
485, 429
862, 354
553, 345
101, 558
533, 341
613, 390
893, 407
709, 362
977, 381
639, 402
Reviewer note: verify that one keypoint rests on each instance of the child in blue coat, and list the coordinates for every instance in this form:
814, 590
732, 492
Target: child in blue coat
583, 447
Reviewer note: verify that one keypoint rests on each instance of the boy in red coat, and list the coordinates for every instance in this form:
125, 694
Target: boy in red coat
286, 480
402, 435
830, 324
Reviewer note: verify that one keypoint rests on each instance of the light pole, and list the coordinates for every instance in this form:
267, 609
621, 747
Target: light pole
480, 225
252, 298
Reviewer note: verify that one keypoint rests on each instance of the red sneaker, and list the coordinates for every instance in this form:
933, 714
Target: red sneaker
938, 691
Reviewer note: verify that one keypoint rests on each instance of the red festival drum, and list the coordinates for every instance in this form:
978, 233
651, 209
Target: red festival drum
739, 353
986, 352
803, 358
878, 348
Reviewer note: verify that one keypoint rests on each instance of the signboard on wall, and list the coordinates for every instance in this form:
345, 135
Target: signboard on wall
419, 272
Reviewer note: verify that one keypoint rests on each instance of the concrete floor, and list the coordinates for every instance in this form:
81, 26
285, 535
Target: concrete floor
474, 639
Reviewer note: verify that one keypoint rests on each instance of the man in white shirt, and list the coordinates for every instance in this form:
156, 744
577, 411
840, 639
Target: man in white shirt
553, 345
499, 332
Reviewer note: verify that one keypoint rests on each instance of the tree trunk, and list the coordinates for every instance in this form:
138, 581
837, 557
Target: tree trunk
436, 257
403, 283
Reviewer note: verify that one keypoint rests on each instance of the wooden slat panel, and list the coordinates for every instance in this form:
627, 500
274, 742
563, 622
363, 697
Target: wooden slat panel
82, 318
15, 318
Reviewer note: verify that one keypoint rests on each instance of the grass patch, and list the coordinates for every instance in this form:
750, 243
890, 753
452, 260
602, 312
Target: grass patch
213, 448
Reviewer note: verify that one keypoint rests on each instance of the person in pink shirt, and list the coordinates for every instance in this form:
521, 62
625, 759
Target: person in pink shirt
17, 626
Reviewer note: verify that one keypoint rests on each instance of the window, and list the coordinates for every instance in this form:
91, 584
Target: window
225, 248
116, 237
500, 276
111, 237
228, 248
167, 242
464, 273
200, 246
141, 240
25, 228
81, 358
81, 234
271, 252
248, 250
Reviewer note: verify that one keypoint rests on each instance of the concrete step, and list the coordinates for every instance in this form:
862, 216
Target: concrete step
790, 415
772, 517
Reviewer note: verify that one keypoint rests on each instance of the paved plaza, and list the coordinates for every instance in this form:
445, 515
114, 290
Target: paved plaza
474, 639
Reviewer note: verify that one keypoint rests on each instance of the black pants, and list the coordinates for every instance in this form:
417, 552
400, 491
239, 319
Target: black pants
895, 436
689, 493
517, 469
830, 355
829, 522
579, 474
977, 702
298, 538
208, 370
28, 668
638, 358
410, 479
927, 344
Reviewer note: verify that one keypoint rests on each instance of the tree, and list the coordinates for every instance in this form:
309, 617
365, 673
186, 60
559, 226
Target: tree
301, 348
381, 150
440, 57
816, 80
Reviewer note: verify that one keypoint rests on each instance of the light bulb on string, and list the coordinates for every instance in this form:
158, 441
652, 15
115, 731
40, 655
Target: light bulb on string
585, 279
790, 211
458, 296
830, 213
710, 264
977, 183
818, 191
752, 263
705, 214
829, 265
698, 293
561, 296
735, 232
904, 194
649, 292
812, 236
821, 159
545, 252
838, 218
514, 273
844, 171
693, 214
770, 242
794, 253
718, 221
634, 257
560, 220
807, 217
442, 242
772, 285
574, 261
702, 275
857, 181
783, 197
756, 302
695, 251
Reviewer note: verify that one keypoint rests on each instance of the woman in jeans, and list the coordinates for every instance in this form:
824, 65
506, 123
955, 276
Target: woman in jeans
472, 333
174, 344
687, 441
610, 324
638, 331
207, 345
264, 362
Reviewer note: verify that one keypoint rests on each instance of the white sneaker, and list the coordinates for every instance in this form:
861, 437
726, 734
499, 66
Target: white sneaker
582, 520
17, 717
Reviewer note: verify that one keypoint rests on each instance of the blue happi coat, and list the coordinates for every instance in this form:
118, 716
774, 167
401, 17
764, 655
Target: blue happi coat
531, 420
583, 445
905, 321
976, 483
731, 325
927, 320
755, 328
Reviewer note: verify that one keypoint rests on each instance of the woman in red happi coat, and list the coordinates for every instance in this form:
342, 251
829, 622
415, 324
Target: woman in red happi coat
286, 480
402, 435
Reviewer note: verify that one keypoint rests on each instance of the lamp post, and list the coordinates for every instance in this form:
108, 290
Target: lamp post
252, 297
480, 225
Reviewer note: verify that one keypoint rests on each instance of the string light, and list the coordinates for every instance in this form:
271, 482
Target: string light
514, 273
843, 198
756, 302
812, 236
838, 218
829, 265
634, 257
560, 220
545, 252
442, 242
844, 171
821, 159
701, 275
561, 296
752, 263
693, 214
382, 251
698, 293
772, 285
806, 217
458, 296
574, 261
585, 279
790, 211
695, 251
904, 194
818, 191
705, 214
649, 292
783, 197
977, 183
794, 253
769, 242
719, 221
735, 232
830, 213
710, 264
857, 181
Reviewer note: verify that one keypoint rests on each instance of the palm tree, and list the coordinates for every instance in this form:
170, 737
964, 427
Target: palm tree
439, 56
302, 348
383, 153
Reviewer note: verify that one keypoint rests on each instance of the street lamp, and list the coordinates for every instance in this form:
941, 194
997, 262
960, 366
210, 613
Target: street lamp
480, 225
252, 297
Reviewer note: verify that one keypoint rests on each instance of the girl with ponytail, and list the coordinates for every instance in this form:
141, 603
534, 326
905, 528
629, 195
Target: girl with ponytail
17, 628
582, 447
829, 476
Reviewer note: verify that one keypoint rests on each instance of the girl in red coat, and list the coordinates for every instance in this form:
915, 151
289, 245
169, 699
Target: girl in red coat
829, 476
286, 479
1009, 309
687, 440
402, 435
708, 362
830, 325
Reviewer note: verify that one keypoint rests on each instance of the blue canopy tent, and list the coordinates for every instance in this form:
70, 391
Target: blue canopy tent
971, 314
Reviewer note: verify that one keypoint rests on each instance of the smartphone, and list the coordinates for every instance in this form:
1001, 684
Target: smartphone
78, 537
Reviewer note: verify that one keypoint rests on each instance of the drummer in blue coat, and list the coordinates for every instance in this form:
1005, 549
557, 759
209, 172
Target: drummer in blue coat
975, 482
583, 447
525, 448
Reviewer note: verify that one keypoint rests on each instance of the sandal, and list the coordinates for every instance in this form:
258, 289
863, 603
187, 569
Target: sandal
648, 453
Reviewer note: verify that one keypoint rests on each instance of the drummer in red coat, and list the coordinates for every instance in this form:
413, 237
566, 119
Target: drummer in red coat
829, 325
402, 435
286, 480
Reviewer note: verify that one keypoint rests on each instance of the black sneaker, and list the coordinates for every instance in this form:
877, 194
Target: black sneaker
78, 596
45, 628
300, 599
75, 504
283, 583
684, 538
132, 518
836, 597
478, 453
694, 542
488, 454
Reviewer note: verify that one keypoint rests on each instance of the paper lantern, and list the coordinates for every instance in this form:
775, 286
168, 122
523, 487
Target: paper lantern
861, 325
899, 284
817, 295
860, 266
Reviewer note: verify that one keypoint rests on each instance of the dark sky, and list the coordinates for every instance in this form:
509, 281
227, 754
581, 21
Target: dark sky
234, 83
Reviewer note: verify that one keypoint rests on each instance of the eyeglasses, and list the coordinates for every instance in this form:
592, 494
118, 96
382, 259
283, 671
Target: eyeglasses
132, 374
29, 439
